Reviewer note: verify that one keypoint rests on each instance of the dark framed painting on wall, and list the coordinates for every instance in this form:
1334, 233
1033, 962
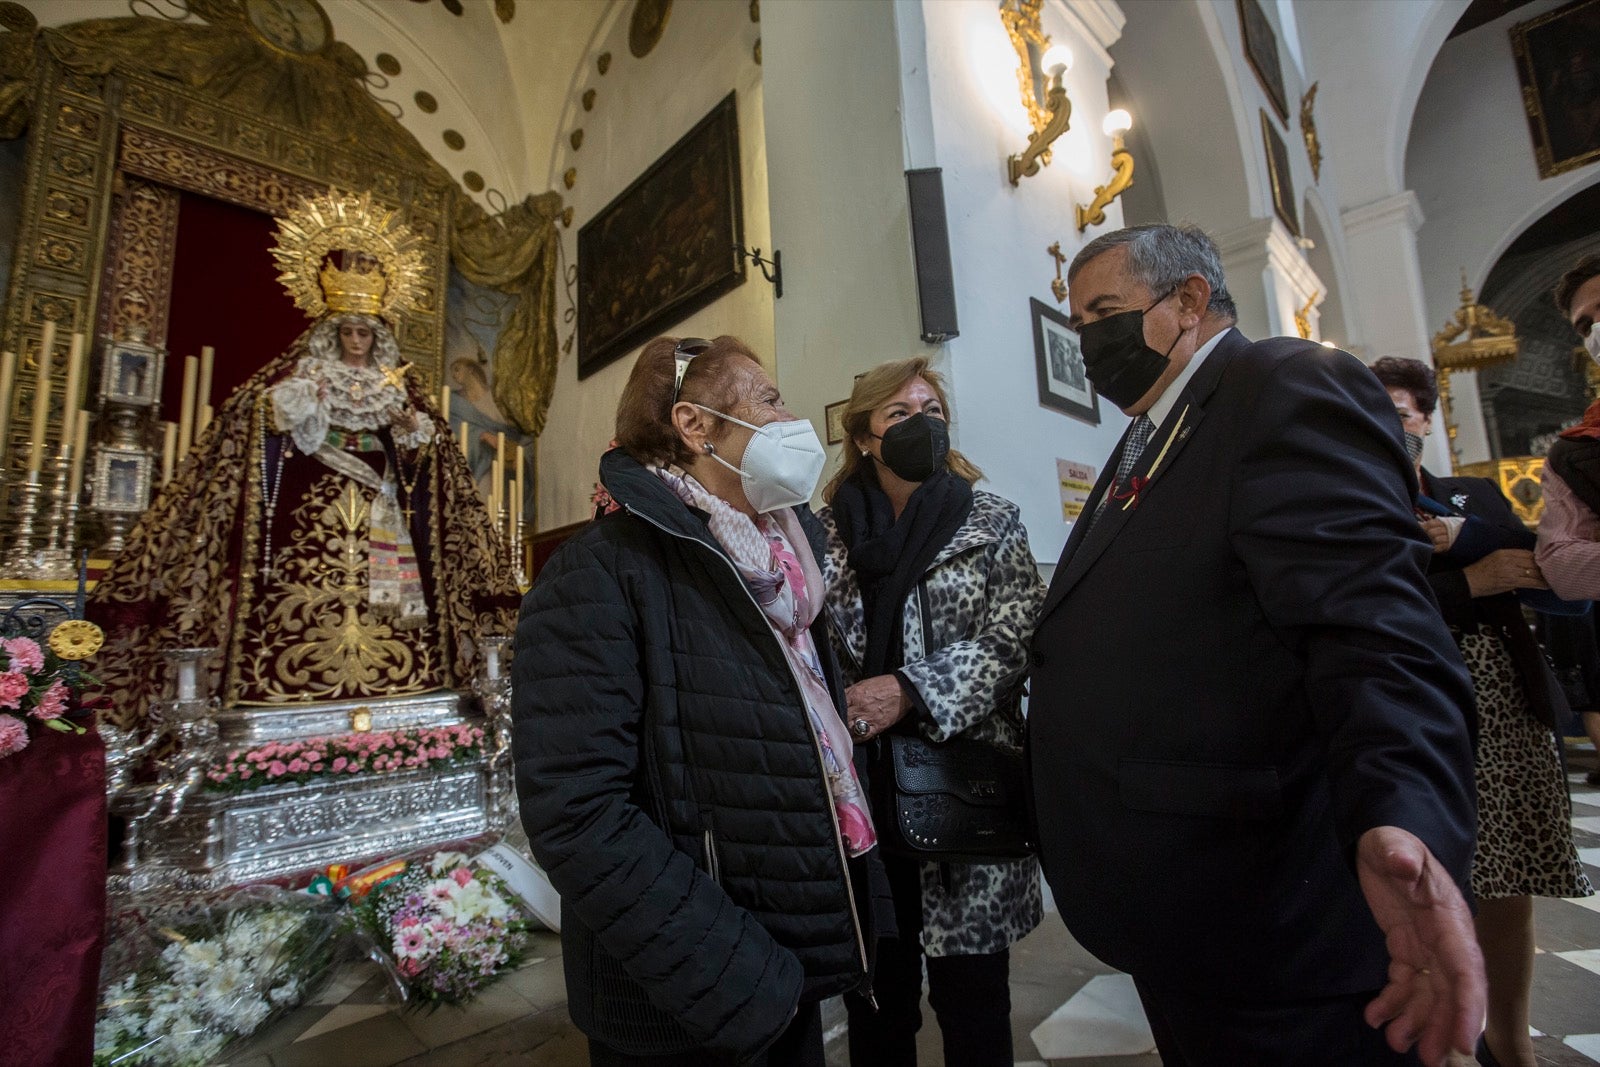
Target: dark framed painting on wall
1558, 63
665, 247
1261, 49
1058, 354
1278, 175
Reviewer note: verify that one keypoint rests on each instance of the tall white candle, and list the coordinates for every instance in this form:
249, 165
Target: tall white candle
8, 382
69, 402
203, 393
191, 369
169, 449
41, 399
80, 446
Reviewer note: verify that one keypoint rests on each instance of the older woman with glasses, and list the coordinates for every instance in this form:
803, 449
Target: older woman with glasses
932, 591
684, 773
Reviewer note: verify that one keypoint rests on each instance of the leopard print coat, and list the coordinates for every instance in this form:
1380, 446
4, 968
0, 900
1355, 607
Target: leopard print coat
983, 593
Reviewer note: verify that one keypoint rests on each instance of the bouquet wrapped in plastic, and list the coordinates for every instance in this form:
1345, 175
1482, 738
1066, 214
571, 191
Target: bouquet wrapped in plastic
448, 929
182, 982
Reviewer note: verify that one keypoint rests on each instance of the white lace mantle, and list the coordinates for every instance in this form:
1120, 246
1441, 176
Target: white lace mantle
323, 394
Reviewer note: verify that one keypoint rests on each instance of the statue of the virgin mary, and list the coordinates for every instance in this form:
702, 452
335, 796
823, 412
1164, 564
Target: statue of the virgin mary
324, 533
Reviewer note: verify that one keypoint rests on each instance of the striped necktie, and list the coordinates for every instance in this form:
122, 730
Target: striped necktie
1138, 437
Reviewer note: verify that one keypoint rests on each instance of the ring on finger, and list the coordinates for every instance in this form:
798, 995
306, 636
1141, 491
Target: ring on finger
861, 728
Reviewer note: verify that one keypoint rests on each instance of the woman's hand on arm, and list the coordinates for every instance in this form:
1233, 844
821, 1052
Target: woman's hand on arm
1504, 571
880, 702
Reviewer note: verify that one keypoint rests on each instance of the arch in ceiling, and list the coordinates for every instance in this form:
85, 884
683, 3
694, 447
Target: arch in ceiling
1371, 58
1554, 200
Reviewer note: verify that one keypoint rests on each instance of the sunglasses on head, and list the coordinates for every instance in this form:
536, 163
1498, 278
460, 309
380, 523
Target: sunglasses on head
687, 349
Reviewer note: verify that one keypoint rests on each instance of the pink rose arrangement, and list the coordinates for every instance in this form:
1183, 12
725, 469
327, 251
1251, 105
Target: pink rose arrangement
447, 929
379, 752
35, 687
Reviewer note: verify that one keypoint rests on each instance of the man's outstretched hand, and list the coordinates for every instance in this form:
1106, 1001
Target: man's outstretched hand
1435, 997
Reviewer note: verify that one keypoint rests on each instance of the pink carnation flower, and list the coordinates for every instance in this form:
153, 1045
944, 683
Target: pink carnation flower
25, 653
53, 704
13, 736
13, 687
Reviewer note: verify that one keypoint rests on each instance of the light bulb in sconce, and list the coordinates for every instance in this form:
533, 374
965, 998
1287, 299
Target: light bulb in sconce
1115, 124
1057, 59
1054, 63
1041, 69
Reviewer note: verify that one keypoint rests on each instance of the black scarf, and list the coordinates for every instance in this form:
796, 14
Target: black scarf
890, 556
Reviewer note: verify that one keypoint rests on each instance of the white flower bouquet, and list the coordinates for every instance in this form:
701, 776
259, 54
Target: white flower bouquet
179, 988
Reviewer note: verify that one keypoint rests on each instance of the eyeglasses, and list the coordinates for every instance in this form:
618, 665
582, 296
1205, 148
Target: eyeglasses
687, 349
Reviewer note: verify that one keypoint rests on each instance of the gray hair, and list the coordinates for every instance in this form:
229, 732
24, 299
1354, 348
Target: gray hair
324, 340
1161, 255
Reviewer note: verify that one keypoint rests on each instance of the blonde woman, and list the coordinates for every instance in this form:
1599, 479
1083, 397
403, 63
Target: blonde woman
932, 593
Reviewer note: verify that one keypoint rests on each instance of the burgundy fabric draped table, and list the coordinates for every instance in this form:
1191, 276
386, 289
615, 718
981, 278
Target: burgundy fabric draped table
52, 898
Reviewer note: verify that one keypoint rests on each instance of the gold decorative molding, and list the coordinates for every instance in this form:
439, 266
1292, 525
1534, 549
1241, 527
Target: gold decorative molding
1308, 130
1474, 338
1022, 22
1519, 478
1302, 317
139, 257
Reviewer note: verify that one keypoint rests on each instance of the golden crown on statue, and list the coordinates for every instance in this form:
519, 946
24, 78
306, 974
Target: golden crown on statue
387, 257
352, 290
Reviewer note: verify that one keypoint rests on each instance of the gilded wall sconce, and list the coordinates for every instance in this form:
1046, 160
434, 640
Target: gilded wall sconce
1116, 123
1040, 68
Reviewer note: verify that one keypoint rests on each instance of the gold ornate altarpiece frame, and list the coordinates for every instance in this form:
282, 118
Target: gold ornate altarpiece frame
106, 157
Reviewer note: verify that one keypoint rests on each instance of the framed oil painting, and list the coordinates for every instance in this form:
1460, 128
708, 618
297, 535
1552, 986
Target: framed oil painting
1058, 354
665, 247
1557, 55
1283, 201
1261, 49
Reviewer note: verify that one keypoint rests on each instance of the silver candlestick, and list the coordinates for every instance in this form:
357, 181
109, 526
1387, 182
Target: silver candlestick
493, 687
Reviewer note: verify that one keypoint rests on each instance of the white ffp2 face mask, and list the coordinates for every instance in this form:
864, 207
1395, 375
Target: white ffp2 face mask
782, 463
1592, 343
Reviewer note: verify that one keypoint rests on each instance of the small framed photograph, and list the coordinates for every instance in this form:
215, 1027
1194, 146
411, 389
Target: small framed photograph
1283, 201
834, 417
1063, 381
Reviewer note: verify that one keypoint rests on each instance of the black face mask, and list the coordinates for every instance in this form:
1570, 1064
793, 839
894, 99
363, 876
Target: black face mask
914, 448
1121, 365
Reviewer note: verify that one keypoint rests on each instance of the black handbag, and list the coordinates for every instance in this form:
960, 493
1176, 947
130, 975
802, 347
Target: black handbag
957, 801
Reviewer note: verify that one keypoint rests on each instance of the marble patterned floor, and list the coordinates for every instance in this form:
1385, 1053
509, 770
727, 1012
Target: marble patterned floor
1067, 1007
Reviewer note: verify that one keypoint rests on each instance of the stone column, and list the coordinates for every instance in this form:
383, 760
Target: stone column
1270, 279
1388, 299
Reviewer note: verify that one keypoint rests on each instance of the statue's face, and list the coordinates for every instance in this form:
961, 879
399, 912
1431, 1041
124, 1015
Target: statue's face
355, 342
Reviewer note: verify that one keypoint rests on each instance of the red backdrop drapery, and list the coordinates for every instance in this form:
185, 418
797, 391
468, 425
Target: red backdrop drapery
225, 294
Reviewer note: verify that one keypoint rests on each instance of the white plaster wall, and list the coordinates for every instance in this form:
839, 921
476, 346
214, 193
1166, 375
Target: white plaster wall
836, 142
642, 108
1470, 162
998, 236
1370, 57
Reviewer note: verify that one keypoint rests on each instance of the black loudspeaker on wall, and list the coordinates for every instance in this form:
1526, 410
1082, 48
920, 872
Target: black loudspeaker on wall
930, 244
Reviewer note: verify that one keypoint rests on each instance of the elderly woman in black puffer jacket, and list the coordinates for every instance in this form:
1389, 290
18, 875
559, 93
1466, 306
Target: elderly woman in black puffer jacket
684, 775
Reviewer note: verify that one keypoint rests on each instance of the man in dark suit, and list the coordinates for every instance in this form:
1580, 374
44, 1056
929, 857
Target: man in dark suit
1249, 727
